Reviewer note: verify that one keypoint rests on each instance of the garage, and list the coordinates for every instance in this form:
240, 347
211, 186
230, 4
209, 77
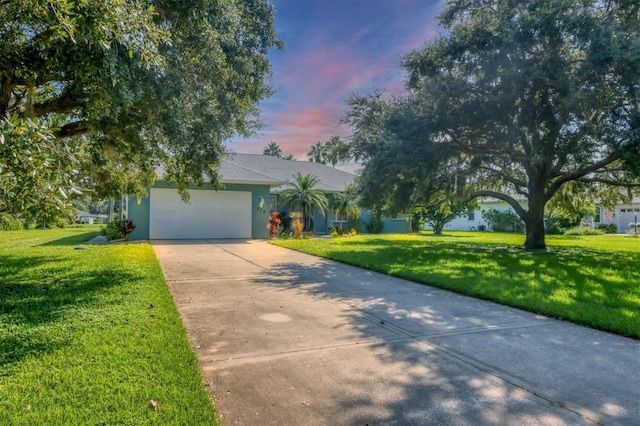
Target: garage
210, 214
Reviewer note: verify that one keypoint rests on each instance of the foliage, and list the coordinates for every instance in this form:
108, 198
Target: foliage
553, 225
438, 214
274, 224
376, 225
81, 333
503, 221
583, 230
273, 149
515, 98
590, 280
334, 151
297, 224
417, 221
133, 80
345, 204
119, 229
337, 151
608, 228
37, 173
8, 223
355, 225
340, 232
318, 153
303, 196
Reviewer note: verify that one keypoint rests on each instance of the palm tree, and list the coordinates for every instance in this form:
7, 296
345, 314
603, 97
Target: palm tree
303, 196
318, 153
344, 203
273, 149
337, 151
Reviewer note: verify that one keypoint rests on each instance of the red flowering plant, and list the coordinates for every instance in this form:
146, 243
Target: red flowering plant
274, 224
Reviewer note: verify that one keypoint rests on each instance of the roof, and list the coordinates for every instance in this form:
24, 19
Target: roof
245, 168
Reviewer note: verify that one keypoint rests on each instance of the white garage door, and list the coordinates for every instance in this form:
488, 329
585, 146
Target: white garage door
210, 214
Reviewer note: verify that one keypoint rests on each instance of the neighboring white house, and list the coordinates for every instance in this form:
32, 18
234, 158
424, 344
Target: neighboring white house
622, 216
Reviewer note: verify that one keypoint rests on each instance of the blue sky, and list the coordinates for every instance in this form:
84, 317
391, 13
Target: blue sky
334, 48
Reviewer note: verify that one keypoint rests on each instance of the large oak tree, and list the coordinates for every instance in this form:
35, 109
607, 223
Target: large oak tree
133, 84
517, 99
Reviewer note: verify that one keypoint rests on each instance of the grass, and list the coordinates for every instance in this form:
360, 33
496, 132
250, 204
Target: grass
91, 337
590, 280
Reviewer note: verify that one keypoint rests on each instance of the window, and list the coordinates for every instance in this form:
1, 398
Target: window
598, 214
273, 202
472, 215
338, 218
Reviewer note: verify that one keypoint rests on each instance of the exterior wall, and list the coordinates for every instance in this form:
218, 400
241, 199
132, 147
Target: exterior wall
139, 213
622, 216
391, 225
463, 223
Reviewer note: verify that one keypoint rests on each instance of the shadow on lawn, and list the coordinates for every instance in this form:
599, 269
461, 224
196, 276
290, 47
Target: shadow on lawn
72, 240
38, 291
426, 385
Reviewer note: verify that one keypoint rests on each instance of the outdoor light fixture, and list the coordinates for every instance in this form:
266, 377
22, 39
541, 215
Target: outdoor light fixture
261, 203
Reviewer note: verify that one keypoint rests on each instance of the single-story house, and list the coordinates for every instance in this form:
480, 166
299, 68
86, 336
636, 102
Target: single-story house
252, 187
85, 217
621, 216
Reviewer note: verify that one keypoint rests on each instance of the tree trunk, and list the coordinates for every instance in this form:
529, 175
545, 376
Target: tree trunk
437, 228
534, 219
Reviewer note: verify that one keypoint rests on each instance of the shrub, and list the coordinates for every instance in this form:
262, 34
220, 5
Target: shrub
608, 228
417, 222
285, 221
583, 230
9, 223
274, 224
503, 221
553, 225
119, 229
355, 224
296, 223
376, 225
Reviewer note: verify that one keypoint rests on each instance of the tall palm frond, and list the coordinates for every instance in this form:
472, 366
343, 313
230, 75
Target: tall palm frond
303, 196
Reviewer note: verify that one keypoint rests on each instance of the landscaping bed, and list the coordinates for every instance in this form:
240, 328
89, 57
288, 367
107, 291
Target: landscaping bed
590, 280
90, 335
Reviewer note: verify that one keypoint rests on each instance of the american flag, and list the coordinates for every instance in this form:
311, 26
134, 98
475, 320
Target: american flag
607, 214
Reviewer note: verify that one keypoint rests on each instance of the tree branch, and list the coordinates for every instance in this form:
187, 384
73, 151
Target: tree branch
579, 173
75, 128
63, 104
500, 196
610, 182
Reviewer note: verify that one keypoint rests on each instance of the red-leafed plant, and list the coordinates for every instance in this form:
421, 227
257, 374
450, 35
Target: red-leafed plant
274, 224
127, 227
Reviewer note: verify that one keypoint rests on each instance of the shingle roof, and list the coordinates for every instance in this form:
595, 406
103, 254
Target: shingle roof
239, 168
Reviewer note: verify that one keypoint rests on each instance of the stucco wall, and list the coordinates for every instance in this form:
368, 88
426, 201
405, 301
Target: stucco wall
139, 212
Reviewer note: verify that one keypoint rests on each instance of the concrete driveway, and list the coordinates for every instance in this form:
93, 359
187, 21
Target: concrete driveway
285, 338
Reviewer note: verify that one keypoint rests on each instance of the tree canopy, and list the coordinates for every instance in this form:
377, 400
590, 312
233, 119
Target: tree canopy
137, 84
304, 196
514, 102
273, 149
334, 151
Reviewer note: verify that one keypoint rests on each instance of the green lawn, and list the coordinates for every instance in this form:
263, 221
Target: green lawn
592, 280
91, 337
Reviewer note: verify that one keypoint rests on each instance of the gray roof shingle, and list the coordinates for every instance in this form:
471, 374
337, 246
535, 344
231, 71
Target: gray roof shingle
243, 168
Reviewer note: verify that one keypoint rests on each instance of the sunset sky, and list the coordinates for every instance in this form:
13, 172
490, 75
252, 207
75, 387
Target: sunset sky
334, 48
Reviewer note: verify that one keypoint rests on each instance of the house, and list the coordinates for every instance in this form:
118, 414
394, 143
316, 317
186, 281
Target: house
252, 187
85, 217
621, 216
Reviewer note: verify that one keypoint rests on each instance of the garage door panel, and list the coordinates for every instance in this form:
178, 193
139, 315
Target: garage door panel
210, 214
